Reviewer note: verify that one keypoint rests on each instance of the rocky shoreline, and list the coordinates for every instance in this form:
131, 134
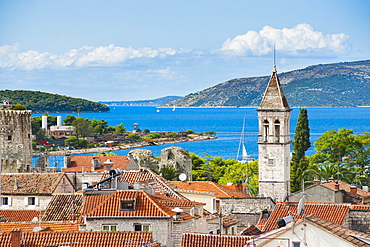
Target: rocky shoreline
160, 141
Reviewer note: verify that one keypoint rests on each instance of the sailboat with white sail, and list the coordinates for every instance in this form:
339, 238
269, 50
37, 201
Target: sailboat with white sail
245, 158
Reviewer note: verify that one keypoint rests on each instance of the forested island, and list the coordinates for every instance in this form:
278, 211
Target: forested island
47, 102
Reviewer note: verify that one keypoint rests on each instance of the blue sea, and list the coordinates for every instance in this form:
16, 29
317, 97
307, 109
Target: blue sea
226, 122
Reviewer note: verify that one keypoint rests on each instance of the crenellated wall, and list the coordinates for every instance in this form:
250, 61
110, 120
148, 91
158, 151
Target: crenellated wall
15, 140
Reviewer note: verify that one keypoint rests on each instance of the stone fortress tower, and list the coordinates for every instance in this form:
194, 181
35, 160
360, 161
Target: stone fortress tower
15, 139
274, 141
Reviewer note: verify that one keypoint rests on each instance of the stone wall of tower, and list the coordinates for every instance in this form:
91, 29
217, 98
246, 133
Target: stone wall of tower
274, 153
15, 140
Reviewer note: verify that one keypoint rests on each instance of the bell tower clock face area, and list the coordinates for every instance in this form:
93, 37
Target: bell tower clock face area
274, 141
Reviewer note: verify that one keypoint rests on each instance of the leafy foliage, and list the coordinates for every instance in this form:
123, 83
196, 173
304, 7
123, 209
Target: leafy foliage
300, 145
342, 155
223, 171
46, 102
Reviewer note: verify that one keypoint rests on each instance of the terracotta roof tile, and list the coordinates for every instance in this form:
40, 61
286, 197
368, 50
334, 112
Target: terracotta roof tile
87, 239
211, 240
30, 183
19, 215
63, 207
30, 226
148, 179
228, 221
207, 186
344, 186
174, 202
251, 230
84, 163
333, 212
145, 206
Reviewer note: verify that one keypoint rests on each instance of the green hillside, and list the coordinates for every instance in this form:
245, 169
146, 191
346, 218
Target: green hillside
46, 102
151, 102
325, 85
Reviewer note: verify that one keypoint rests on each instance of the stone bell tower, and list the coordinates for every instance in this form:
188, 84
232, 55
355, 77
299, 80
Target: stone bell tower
274, 141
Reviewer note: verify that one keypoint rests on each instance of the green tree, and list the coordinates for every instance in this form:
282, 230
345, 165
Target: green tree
342, 155
169, 172
119, 129
82, 127
190, 132
71, 141
18, 107
172, 135
134, 136
301, 144
242, 173
153, 136
69, 120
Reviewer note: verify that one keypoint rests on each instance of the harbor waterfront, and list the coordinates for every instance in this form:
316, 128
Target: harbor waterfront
226, 122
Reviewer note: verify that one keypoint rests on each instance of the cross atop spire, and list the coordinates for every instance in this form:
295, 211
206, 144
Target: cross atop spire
274, 97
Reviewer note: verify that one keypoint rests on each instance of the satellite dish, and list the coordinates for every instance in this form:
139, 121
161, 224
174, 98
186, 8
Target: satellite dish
182, 177
300, 207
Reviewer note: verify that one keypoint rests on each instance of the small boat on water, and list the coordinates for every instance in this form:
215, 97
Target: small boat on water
245, 158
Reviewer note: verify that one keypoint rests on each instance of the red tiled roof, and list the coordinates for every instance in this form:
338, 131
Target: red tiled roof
344, 186
87, 239
84, 163
211, 240
237, 187
30, 226
19, 215
251, 230
148, 179
174, 202
146, 206
211, 187
30, 183
333, 212
228, 221
63, 207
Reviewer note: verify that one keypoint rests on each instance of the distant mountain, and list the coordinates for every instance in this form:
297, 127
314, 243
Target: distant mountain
324, 85
152, 102
46, 102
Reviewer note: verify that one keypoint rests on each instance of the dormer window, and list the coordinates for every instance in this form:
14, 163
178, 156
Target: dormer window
128, 205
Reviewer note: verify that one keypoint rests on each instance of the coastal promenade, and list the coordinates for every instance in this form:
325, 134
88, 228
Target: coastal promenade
160, 141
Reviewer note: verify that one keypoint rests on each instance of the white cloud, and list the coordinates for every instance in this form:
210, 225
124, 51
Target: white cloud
301, 39
12, 57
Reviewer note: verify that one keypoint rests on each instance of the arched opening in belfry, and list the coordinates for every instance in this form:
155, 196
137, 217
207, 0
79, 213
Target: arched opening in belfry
265, 130
277, 130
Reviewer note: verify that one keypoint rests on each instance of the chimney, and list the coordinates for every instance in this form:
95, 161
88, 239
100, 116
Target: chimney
95, 163
15, 238
353, 189
336, 186
108, 164
239, 187
67, 161
316, 181
331, 179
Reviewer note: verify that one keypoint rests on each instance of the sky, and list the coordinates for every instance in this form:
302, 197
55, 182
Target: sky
116, 50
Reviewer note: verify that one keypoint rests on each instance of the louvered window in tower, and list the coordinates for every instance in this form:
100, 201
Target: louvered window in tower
265, 130
277, 130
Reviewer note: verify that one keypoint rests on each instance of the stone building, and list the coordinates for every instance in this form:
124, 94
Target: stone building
15, 139
274, 141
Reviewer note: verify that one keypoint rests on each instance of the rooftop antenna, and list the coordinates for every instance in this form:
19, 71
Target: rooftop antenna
274, 56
